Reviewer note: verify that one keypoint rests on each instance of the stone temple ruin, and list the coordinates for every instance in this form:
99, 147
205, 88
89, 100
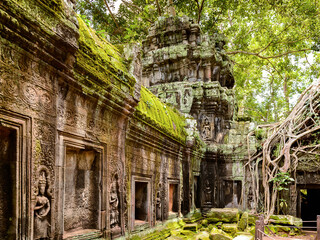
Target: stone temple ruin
89, 151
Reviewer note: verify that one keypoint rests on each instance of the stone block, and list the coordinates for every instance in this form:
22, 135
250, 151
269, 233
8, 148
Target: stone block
244, 237
230, 228
218, 234
286, 220
227, 215
191, 227
243, 222
202, 236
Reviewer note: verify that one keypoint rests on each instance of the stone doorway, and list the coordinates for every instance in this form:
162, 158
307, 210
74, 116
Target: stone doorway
308, 203
81, 191
196, 191
8, 183
141, 203
173, 199
232, 193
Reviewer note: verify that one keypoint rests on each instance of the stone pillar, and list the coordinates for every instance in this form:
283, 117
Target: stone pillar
186, 183
293, 200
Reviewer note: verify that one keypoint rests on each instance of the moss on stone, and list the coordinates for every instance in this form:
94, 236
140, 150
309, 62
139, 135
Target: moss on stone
101, 61
55, 5
286, 220
243, 222
218, 234
230, 228
227, 215
49, 13
159, 115
202, 236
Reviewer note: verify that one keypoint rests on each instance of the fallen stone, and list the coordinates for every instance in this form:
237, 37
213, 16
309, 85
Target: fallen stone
204, 222
193, 217
286, 220
230, 228
218, 234
243, 237
243, 234
243, 222
228, 215
175, 232
252, 219
202, 236
174, 238
191, 227
187, 233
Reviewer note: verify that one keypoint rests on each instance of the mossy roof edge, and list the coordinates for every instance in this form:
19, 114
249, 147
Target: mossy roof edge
161, 116
102, 59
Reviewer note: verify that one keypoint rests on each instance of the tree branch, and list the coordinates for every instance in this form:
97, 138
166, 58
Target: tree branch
267, 57
158, 7
111, 13
200, 10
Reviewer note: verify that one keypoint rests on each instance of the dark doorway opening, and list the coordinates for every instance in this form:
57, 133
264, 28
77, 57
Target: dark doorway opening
232, 193
310, 207
173, 198
141, 202
8, 198
196, 191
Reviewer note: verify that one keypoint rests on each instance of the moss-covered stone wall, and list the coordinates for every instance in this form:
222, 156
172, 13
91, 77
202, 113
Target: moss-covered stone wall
86, 131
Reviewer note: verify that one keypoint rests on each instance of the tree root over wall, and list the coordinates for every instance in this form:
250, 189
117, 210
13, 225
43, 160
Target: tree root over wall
285, 143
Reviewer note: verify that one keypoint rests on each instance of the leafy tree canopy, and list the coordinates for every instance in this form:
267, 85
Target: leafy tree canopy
273, 44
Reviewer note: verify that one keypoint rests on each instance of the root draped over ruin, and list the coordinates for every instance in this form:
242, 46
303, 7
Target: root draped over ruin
285, 145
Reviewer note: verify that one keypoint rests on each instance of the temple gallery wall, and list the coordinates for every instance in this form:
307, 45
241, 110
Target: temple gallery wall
89, 150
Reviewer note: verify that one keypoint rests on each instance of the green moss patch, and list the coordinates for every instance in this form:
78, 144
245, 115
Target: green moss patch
101, 61
227, 215
166, 119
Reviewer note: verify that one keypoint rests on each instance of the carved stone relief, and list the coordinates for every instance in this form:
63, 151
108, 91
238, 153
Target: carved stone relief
42, 207
205, 128
114, 203
207, 192
159, 204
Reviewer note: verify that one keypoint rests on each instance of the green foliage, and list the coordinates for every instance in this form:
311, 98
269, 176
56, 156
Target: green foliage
273, 44
282, 180
260, 133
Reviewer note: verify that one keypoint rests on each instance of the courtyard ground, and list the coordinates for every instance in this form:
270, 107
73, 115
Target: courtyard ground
306, 235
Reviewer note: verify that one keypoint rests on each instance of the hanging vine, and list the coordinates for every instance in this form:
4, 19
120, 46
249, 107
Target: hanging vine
283, 148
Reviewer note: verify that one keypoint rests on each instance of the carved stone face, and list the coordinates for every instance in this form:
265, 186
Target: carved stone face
42, 188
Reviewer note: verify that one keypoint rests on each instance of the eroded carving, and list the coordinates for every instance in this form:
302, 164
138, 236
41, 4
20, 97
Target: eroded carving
207, 192
206, 131
42, 208
114, 203
158, 204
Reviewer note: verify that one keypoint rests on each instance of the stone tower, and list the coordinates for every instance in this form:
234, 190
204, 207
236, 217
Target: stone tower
192, 72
